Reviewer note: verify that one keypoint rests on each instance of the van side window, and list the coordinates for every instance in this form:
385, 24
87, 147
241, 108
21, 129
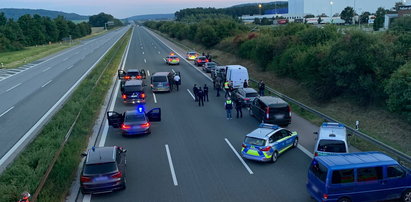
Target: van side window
318, 170
394, 171
342, 176
369, 174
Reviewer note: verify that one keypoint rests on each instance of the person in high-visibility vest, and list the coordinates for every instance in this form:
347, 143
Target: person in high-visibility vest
226, 88
228, 107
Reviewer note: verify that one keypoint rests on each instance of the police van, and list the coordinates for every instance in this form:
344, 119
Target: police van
332, 139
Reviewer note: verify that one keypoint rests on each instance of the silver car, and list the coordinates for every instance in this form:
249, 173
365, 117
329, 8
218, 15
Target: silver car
209, 66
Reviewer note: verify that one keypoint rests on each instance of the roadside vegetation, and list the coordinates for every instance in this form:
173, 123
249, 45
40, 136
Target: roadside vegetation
28, 169
348, 74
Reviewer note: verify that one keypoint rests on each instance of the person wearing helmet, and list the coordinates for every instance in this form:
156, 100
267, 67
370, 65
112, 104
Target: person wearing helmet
25, 196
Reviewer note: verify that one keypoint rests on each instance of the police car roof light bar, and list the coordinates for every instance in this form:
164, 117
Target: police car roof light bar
270, 126
332, 124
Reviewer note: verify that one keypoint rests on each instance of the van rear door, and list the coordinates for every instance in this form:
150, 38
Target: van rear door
317, 179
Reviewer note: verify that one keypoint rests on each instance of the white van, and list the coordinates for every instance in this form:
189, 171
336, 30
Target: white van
332, 139
237, 74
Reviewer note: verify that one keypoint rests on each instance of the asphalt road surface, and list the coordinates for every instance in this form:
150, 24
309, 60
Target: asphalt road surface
28, 97
192, 154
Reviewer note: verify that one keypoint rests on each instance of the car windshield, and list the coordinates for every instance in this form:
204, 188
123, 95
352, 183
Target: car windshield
211, 64
254, 141
336, 146
100, 168
159, 79
129, 89
251, 94
135, 118
202, 58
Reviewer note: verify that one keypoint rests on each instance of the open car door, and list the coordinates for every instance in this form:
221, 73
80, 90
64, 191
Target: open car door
115, 119
154, 115
121, 74
143, 74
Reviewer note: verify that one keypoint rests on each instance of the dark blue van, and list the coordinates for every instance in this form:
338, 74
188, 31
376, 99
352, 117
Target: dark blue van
364, 176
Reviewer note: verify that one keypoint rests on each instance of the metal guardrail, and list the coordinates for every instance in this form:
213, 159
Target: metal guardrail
400, 156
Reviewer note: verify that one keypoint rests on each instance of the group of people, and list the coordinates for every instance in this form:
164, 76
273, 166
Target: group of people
200, 94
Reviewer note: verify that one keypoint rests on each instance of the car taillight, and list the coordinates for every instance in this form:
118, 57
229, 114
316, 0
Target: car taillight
117, 175
267, 112
139, 77
178, 59
265, 148
142, 95
244, 146
85, 179
125, 127
167, 84
127, 77
206, 60
246, 99
315, 153
325, 196
124, 96
289, 110
199, 60
170, 60
146, 125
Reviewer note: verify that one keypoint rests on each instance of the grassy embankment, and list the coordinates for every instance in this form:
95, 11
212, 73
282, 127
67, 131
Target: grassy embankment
28, 169
374, 121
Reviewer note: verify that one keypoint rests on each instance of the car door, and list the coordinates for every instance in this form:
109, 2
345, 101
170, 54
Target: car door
121, 74
274, 139
287, 135
121, 160
115, 119
154, 115
281, 141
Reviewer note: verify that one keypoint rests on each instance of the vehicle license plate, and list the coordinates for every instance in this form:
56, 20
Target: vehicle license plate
102, 178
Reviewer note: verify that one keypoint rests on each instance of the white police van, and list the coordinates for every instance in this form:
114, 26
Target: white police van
332, 138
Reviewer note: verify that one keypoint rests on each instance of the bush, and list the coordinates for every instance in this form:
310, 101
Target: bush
398, 89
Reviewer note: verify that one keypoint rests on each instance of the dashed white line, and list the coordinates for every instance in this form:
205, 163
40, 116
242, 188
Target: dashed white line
191, 94
69, 67
46, 69
143, 52
44, 85
155, 99
239, 157
6, 111
170, 162
158, 52
87, 198
173, 71
65, 59
305, 151
145, 61
148, 72
13, 87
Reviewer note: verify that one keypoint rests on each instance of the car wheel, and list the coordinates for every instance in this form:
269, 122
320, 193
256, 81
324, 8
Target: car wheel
406, 196
344, 199
274, 157
295, 143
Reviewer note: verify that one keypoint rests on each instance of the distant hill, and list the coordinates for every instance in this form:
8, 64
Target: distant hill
152, 17
253, 4
15, 13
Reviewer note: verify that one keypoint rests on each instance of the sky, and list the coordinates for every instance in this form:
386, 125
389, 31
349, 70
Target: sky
126, 8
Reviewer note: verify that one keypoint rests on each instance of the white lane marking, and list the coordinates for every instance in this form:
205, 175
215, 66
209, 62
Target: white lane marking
170, 162
204, 74
69, 67
145, 61
13, 87
173, 71
65, 59
309, 154
158, 52
87, 198
155, 47
47, 114
46, 83
148, 72
5, 112
106, 126
191, 94
239, 157
155, 98
143, 52
46, 69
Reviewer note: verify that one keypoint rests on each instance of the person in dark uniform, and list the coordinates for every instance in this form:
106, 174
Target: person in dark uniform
205, 92
200, 95
245, 84
238, 108
218, 88
195, 91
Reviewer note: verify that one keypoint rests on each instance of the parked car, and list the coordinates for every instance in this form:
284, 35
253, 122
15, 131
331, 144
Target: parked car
104, 170
332, 139
200, 60
209, 66
160, 81
134, 122
245, 95
191, 55
269, 109
133, 92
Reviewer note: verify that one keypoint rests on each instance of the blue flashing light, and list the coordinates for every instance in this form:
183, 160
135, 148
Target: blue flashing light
332, 124
140, 109
270, 126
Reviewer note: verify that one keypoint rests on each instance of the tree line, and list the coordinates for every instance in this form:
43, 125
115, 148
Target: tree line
33, 30
369, 68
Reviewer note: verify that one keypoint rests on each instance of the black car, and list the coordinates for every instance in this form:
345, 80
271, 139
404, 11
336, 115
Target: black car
131, 74
132, 91
134, 122
104, 170
200, 60
269, 109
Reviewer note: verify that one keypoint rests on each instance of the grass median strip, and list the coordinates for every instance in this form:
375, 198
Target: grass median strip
29, 168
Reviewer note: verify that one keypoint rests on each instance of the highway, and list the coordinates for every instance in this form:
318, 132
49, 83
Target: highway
193, 153
30, 94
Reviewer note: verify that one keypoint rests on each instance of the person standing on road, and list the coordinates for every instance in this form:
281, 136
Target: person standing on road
218, 88
200, 95
226, 88
228, 107
205, 92
261, 88
238, 108
245, 84
195, 91
177, 80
